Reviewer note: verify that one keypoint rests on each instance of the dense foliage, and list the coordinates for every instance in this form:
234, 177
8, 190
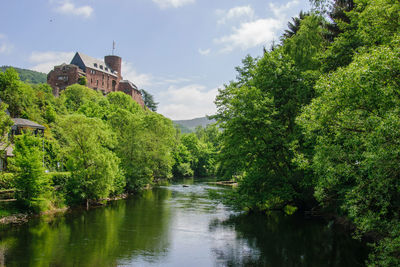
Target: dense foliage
196, 153
314, 122
95, 147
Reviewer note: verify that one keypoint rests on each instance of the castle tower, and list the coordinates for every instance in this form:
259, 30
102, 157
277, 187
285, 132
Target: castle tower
115, 63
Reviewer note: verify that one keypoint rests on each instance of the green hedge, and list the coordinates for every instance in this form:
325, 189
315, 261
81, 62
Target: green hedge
6, 180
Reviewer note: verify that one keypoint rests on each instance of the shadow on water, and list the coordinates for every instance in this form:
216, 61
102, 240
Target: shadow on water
281, 240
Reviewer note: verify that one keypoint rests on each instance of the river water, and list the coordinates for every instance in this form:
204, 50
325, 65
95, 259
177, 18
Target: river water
177, 226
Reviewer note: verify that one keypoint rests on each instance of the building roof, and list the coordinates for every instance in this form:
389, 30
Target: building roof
95, 64
9, 151
130, 83
26, 123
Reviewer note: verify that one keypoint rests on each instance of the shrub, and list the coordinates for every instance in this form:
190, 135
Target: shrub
7, 180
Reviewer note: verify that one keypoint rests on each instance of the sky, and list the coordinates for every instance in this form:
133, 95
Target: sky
180, 51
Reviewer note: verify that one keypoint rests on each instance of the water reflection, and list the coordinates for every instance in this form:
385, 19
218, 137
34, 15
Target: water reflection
280, 240
176, 226
137, 227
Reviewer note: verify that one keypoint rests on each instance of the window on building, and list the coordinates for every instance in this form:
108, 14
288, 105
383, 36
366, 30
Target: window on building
91, 80
101, 66
114, 84
95, 65
106, 69
97, 83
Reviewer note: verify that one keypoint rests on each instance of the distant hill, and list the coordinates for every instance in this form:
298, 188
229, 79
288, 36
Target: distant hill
188, 126
29, 76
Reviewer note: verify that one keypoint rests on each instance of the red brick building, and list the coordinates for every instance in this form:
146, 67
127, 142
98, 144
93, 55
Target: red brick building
104, 76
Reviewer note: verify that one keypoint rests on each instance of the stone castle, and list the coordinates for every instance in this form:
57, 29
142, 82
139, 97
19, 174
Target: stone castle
104, 76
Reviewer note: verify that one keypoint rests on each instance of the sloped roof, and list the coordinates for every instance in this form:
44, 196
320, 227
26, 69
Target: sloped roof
94, 63
26, 123
130, 83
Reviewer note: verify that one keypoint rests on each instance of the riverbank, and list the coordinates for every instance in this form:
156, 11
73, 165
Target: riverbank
18, 218
227, 183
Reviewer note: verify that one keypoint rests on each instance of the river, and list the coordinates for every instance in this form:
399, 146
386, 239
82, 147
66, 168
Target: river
177, 226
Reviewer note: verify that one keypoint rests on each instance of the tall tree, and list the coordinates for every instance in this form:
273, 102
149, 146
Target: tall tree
149, 100
294, 25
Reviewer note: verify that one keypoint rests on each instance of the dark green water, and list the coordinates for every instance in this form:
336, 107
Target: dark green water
176, 226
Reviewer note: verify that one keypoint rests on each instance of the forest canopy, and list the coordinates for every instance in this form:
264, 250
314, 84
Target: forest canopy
313, 123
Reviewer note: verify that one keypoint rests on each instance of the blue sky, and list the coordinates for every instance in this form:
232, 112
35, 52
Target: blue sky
181, 51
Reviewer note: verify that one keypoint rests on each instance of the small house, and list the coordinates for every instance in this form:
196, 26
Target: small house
19, 127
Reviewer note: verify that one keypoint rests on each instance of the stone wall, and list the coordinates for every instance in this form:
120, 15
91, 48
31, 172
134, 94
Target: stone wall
101, 81
133, 92
62, 76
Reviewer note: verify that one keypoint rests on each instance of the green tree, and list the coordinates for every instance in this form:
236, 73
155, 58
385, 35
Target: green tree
19, 96
294, 25
33, 187
95, 173
257, 116
82, 80
354, 123
145, 143
149, 100
76, 95
183, 159
308, 42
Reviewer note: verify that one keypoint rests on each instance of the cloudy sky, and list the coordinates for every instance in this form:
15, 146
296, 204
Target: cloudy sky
181, 51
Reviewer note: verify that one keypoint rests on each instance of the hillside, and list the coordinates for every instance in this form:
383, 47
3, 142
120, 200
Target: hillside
29, 76
190, 125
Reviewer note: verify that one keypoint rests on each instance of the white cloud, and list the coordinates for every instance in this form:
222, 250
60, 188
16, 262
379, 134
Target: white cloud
259, 31
172, 3
141, 80
69, 8
45, 61
280, 11
204, 52
187, 102
250, 34
244, 12
5, 46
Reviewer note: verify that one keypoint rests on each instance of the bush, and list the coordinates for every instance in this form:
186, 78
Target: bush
59, 178
7, 180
